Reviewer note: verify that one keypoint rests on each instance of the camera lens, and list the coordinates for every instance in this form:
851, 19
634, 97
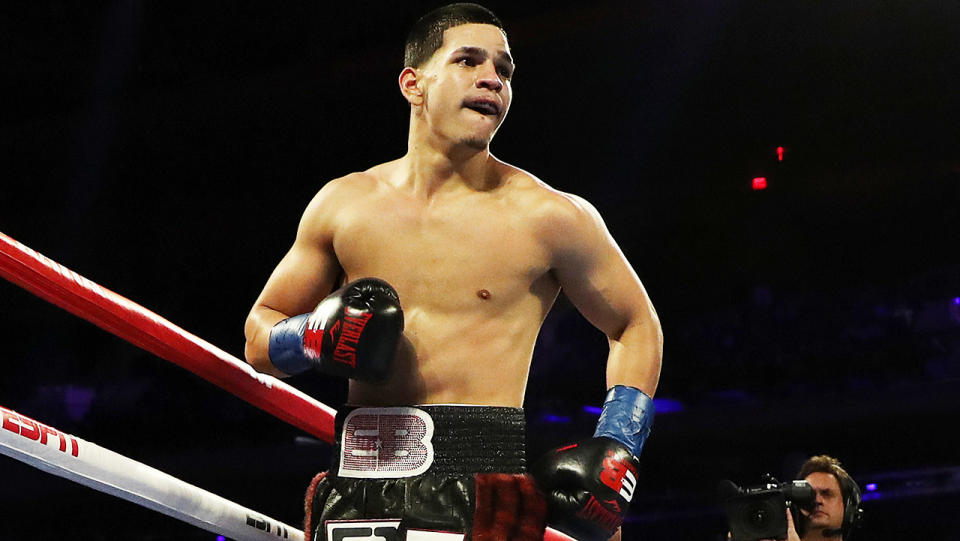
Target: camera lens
800, 493
759, 516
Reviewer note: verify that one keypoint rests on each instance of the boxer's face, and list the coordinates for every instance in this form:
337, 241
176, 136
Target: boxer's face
466, 84
828, 510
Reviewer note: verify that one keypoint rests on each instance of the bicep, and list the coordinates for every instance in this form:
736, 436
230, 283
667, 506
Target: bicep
308, 272
596, 276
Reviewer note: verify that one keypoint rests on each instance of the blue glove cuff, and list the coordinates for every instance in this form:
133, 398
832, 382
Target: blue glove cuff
286, 345
627, 417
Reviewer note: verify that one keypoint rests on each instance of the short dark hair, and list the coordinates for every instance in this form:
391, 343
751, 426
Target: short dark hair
828, 464
426, 36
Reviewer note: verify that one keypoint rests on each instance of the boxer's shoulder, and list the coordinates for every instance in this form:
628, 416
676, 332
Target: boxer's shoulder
555, 215
350, 187
343, 195
542, 200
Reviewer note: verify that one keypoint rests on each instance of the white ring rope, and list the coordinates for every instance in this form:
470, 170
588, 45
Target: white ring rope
72, 458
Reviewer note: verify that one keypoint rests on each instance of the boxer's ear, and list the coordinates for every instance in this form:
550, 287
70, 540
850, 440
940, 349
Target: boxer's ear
411, 85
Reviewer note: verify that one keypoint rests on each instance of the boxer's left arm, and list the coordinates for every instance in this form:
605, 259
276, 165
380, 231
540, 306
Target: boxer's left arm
590, 484
600, 282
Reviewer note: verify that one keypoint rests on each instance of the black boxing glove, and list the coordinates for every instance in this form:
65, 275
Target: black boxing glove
589, 485
352, 333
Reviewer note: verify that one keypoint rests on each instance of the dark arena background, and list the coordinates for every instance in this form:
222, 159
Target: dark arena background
167, 150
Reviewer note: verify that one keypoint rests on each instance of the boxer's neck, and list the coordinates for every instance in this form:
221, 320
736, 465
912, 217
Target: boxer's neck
430, 170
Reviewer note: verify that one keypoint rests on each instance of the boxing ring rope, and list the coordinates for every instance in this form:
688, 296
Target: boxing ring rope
61, 286
118, 315
72, 458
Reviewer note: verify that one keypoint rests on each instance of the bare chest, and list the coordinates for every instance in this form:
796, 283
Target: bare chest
458, 250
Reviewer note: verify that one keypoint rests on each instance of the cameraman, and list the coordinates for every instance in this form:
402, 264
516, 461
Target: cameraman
836, 507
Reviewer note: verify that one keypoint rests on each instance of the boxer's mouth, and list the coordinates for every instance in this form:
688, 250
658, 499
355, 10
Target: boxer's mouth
483, 106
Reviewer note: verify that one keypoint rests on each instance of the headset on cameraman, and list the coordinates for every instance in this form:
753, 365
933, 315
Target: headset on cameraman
852, 514
849, 491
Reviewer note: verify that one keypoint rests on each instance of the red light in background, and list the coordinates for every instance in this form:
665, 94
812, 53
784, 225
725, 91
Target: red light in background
760, 183
779, 154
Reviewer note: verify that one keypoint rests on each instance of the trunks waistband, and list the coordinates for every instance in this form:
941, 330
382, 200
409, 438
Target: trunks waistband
444, 440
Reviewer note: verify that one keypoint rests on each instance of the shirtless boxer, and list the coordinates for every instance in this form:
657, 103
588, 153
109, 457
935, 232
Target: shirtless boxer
477, 251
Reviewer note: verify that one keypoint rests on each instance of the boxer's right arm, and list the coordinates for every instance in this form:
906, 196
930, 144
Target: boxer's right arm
306, 274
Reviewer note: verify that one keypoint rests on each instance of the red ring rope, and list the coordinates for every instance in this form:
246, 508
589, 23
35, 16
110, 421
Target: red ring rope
59, 285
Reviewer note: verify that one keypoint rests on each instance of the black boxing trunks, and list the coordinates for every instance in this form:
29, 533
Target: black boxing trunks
427, 473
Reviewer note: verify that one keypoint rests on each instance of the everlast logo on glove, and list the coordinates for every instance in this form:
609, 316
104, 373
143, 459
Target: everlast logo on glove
599, 515
354, 322
352, 333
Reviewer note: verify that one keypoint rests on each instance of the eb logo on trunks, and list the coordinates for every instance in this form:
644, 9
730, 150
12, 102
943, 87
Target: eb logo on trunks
386, 443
